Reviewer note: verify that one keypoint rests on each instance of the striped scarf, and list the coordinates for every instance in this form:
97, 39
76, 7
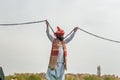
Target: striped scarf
54, 53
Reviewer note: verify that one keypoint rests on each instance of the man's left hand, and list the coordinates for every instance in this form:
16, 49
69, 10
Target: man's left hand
75, 29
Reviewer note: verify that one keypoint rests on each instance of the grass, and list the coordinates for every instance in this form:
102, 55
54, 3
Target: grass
41, 76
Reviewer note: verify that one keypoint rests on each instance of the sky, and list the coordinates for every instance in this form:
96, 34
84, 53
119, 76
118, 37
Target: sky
26, 48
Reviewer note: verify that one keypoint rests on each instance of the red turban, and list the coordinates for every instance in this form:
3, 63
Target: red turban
59, 31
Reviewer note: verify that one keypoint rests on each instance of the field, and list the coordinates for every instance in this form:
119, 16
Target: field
69, 76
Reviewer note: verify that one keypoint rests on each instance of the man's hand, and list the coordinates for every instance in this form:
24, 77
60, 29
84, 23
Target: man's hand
75, 29
46, 23
65, 65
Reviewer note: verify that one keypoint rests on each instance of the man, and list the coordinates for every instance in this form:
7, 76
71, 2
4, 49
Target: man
58, 61
2, 77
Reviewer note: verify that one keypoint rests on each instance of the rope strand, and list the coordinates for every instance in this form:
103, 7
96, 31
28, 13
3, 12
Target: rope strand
14, 24
98, 36
51, 28
68, 34
93, 35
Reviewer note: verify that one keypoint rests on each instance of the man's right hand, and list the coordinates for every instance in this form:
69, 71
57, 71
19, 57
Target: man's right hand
46, 23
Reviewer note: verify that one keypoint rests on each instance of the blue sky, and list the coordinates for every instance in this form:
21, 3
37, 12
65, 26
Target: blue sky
26, 48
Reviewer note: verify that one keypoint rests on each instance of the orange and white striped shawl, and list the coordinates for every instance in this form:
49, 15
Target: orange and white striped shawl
54, 53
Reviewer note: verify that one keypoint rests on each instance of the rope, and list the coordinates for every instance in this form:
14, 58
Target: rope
51, 28
98, 36
68, 34
93, 35
14, 24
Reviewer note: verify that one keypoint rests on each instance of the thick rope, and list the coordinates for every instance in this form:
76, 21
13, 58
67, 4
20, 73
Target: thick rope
51, 28
14, 24
54, 32
94, 35
69, 34
98, 36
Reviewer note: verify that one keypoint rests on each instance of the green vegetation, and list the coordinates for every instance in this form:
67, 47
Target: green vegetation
92, 77
41, 76
110, 78
23, 77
